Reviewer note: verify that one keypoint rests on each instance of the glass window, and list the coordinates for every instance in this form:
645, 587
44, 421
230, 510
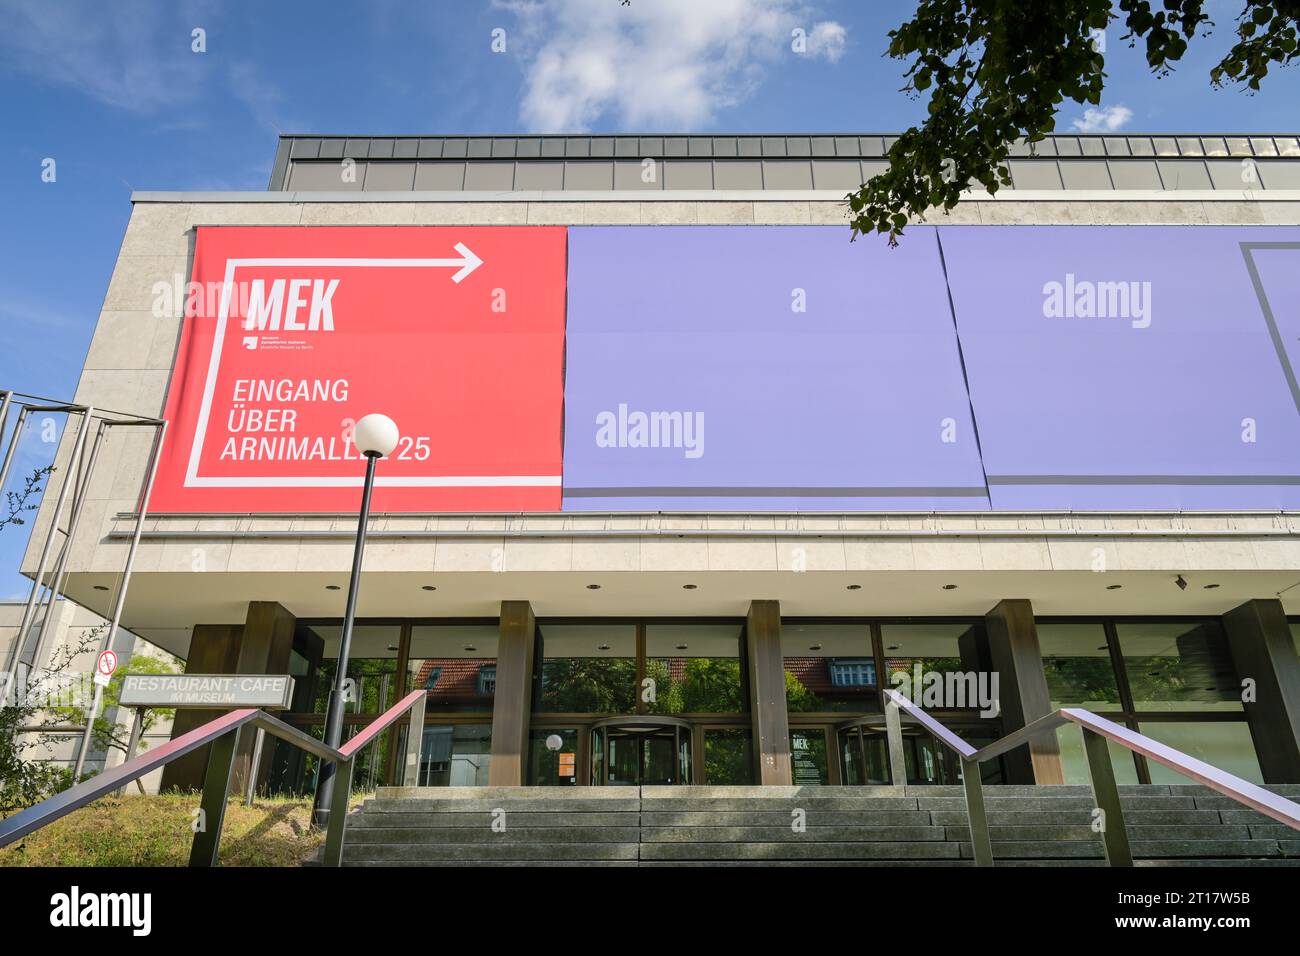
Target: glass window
864, 755
1179, 666
728, 756
372, 666
950, 662
1078, 665
694, 669
456, 755
551, 766
1074, 762
829, 667
588, 668
1223, 744
808, 765
456, 664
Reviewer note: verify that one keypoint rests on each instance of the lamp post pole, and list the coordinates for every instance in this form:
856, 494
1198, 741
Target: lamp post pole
375, 436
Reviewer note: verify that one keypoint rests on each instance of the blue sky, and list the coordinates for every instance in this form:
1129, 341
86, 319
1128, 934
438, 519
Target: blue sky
115, 95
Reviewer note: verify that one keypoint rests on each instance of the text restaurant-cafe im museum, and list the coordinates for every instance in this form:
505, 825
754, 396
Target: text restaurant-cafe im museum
686, 478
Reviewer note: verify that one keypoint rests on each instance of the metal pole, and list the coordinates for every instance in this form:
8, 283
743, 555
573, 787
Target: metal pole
253, 765
13, 444
1105, 794
894, 738
414, 743
334, 716
126, 580
137, 731
21, 637
86, 734
60, 570
976, 817
4, 417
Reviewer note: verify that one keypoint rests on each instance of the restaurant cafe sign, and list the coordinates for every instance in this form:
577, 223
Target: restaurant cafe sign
266, 691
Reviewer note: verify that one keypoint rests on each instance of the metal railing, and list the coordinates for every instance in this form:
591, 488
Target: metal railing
223, 735
1097, 732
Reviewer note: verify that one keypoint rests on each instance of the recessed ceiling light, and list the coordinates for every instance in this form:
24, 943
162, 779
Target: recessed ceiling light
392, 647
470, 647
950, 587
689, 587
1209, 587
332, 587
1113, 587
593, 587
681, 647
602, 647
814, 647
101, 587
892, 647
1104, 647
854, 587
428, 587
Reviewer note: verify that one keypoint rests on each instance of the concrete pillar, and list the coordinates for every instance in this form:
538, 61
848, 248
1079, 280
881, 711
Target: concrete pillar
1022, 690
770, 720
264, 648
214, 649
513, 703
1259, 640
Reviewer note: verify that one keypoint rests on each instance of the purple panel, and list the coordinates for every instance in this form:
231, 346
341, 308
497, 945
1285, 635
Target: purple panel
856, 403
1166, 390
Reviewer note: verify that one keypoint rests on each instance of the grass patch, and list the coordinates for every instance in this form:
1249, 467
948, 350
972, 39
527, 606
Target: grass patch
156, 831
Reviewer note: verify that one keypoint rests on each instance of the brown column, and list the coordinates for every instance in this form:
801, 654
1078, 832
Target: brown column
767, 708
263, 649
1259, 640
1022, 690
513, 702
214, 649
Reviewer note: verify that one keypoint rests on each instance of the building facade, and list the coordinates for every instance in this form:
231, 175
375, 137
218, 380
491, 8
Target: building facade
687, 478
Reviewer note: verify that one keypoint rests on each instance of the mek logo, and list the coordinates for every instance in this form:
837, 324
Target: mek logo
74, 908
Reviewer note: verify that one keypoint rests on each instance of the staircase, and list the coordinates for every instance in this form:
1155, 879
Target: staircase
840, 826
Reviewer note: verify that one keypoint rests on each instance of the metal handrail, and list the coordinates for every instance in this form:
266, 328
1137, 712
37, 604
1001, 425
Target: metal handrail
223, 734
1097, 731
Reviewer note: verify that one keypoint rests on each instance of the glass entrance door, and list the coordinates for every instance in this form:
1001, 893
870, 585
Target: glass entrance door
641, 751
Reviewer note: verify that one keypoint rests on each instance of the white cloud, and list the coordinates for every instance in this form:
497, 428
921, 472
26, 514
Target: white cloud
1105, 119
661, 64
828, 40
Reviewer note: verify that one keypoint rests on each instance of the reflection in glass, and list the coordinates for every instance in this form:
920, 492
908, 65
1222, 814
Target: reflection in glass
1077, 662
1223, 744
829, 668
456, 664
728, 756
864, 757
372, 666
1179, 666
912, 649
552, 768
456, 755
695, 669
588, 668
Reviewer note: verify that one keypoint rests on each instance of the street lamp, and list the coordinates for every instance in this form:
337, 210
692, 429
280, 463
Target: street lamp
374, 436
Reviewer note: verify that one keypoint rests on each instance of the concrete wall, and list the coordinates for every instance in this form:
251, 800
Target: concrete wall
129, 362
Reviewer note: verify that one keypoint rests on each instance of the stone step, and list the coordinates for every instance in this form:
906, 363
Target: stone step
808, 803
483, 818
487, 852
1142, 849
957, 818
880, 851
1085, 832
814, 817
1061, 804
448, 836
812, 834
430, 804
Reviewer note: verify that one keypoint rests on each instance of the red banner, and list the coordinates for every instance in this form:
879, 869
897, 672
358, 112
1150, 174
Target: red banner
292, 333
